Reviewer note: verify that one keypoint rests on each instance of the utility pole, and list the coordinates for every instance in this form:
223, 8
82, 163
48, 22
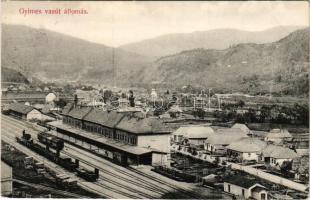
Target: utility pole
209, 101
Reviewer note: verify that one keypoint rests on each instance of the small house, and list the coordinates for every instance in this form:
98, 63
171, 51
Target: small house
277, 136
195, 135
246, 149
217, 143
275, 155
245, 188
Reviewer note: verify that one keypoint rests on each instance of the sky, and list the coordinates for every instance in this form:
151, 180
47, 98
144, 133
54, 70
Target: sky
117, 23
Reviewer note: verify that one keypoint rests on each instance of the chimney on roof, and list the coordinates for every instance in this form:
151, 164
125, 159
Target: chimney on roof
75, 100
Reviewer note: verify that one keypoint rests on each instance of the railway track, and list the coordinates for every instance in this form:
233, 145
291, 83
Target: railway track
53, 166
153, 186
132, 176
113, 175
111, 181
120, 188
50, 189
11, 140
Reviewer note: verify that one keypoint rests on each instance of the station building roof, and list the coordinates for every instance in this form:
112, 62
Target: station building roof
108, 119
79, 113
129, 122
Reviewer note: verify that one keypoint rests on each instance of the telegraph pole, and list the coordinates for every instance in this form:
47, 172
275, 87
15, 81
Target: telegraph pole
209, 101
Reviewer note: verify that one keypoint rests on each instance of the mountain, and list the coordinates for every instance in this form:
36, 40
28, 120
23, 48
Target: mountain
54, 56
12, 76
281, 67
212, 39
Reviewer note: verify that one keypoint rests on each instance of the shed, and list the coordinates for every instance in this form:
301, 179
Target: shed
23, 111
244, 187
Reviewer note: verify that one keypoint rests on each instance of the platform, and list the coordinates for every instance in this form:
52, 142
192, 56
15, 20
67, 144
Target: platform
120, 152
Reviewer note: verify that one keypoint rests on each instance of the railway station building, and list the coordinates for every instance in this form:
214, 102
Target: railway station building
125, 137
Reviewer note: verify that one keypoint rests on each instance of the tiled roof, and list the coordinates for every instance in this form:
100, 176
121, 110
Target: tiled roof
79, 113
67, 108
108, 119
194, 131
247, 144
131, 122
20, 108
274, 151
137, 125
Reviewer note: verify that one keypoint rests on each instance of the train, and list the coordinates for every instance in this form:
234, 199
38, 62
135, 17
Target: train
51, 141
88, 175
64, 161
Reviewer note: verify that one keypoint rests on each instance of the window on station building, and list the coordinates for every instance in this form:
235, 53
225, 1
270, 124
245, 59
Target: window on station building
133, 140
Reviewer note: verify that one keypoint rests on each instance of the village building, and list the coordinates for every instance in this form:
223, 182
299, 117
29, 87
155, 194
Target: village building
123, 103
275, 155
50, 98
246, 149
195, 135
277, 136
175, 111
243, 127
245, 188
27, 112
217, 143
190, 139
6, 179
23, 111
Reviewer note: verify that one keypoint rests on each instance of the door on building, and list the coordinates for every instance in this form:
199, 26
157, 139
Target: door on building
263, 196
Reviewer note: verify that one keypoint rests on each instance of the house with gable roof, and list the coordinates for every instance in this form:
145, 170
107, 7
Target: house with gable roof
246, 149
